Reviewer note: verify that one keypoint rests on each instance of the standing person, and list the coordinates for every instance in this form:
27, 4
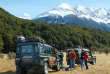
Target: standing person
82, 59
61, 59
72, 57
86, 60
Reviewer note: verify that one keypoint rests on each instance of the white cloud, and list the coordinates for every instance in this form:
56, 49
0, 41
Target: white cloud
26, 16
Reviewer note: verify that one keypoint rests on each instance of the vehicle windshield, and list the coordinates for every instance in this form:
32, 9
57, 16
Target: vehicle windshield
27, 49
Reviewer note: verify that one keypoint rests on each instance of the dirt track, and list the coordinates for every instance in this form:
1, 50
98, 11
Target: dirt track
102, 67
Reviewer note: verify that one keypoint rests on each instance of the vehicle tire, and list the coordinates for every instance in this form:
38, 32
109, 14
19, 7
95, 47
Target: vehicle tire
58, 66
23, 71
45, 69
18, 70
94, 61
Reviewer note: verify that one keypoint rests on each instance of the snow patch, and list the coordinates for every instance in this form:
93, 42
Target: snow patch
65, 6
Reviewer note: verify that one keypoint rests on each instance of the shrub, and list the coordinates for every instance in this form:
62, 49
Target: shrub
93, 49
106, 50
11, 55
1, 56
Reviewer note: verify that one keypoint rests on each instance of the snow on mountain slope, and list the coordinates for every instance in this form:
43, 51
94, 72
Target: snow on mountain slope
65, 6
82, 12
61, 10
100, 15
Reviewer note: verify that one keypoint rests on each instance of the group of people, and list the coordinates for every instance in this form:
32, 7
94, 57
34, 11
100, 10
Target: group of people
72, 57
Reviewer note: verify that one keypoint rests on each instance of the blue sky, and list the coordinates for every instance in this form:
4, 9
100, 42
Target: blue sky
36, 7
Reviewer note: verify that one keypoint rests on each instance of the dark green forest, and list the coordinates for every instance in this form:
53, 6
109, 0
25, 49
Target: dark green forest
59, 35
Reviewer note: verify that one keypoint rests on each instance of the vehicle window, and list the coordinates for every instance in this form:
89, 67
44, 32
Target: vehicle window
45, 50
52, 50
18, 50
41, 49
36, 49
48, 51
27, 49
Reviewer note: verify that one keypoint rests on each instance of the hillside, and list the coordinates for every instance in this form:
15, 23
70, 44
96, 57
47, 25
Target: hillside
88, 17
60, 35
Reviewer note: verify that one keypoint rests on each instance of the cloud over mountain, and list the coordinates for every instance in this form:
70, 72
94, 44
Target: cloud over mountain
26, 16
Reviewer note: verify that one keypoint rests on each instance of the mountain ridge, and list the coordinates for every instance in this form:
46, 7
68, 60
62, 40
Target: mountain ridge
99, 16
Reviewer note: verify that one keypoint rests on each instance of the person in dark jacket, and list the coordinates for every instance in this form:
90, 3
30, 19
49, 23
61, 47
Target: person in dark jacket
82, 59
61, 55
72, 57
86, 60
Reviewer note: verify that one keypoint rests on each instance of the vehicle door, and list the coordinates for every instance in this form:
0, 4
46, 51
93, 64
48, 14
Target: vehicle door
53, 57
37, 58
27, 54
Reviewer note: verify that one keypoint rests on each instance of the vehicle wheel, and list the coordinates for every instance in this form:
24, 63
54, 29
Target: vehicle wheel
23, 71
58, 66
18, 70
94, 61
46, 68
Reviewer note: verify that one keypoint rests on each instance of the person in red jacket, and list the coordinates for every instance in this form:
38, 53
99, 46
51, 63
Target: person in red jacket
72, 57
86, 60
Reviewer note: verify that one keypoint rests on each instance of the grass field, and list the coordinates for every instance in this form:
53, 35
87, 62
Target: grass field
102, 67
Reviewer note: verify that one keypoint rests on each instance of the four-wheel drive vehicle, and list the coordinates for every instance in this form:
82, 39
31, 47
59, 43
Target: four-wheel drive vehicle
33, 55
78, 50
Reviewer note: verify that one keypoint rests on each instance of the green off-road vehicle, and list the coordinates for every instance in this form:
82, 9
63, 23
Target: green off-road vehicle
78, 49
32, 54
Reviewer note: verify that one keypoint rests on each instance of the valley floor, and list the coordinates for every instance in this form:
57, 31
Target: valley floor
102, 67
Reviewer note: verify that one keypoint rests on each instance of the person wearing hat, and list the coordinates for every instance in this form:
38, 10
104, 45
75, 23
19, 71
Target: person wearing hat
82, 59
72, 57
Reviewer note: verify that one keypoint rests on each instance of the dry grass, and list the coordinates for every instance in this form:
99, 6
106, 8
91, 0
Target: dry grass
102, 67
7, 65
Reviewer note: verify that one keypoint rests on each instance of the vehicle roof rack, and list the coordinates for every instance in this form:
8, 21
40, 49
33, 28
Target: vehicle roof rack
30, 39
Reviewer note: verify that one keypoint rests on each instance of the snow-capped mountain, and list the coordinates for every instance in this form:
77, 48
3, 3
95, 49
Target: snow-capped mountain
66, 14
